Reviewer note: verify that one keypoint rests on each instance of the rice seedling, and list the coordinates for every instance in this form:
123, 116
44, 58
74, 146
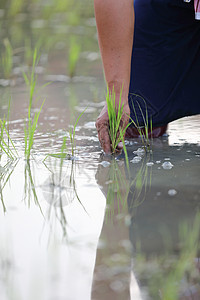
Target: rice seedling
30, 127
72, 134
73, 55
64, 152
116, 129
144, 130
7, 59
29, 50
15, 7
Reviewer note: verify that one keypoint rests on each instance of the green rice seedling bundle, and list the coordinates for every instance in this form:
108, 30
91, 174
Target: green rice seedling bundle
116, 129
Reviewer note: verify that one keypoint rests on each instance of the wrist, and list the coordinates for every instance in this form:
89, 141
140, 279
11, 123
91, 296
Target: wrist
120, 89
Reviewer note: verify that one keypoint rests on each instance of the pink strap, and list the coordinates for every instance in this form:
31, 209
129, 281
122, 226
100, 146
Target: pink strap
197, 9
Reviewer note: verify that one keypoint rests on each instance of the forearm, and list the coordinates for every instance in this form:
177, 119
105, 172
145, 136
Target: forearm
115, 25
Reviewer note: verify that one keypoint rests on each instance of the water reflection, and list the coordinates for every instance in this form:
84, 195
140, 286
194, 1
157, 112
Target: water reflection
133, 241
163, 228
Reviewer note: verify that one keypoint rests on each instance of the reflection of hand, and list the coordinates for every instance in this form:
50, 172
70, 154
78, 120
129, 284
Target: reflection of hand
102, 125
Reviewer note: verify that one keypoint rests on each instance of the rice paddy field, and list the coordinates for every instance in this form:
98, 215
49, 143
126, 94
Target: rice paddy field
76, 224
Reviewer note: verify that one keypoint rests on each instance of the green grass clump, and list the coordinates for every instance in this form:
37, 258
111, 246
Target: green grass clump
31, 125
7, 59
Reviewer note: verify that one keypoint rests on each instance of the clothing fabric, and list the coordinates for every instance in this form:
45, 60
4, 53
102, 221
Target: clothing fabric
197, 9
165, 68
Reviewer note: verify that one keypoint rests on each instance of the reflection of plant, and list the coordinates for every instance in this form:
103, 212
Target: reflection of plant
73, 55
112, 176
139, 185
124, 193
4, 131
172, 274
30, 128
5, 174
29, 185
60, 188
7, 59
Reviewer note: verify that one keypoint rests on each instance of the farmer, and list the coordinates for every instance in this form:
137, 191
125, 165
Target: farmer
159, 69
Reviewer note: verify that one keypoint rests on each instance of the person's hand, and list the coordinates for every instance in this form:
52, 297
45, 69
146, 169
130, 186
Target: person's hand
102, 125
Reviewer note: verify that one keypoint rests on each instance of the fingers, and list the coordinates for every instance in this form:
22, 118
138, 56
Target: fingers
103, 135
102, 125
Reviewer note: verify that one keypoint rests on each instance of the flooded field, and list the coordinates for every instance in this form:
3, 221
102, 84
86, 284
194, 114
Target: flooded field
75, 224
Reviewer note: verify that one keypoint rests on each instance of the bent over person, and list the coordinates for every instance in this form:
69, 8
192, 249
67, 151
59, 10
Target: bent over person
152, 49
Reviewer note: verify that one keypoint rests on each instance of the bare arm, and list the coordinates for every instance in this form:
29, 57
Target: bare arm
115, 25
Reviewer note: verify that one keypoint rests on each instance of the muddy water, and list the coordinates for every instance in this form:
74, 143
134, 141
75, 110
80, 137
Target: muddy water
90, 227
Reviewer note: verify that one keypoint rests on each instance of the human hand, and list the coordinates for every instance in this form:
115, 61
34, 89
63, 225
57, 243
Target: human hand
102, 125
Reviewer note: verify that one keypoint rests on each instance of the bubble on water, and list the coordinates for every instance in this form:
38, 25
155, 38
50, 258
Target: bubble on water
172, 192
167, 165
167, 158
89, 125
150, 164
105, 163
139, 152
101, 244
158, 162
109, 182
131, 143
188, 159
2, 170
127, 220
126, 244
117, 286
136, 159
